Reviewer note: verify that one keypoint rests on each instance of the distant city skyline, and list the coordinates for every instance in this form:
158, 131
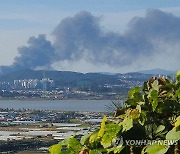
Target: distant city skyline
91, 35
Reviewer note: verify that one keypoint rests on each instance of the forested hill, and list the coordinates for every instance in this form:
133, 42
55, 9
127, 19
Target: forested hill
67, 76
97, 82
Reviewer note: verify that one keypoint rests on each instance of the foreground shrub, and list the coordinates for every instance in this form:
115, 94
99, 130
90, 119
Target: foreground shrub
149, 123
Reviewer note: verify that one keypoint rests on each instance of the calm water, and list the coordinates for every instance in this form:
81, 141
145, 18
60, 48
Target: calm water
61, 105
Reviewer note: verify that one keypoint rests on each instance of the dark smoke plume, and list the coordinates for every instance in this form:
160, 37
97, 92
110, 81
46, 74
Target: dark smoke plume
81, 37
39, 52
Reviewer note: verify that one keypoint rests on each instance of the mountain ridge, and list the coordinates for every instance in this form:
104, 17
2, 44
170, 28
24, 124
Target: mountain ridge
157, 71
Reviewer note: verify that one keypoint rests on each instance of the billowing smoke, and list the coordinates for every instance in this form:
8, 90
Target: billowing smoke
81, 37
155, 25
39, 52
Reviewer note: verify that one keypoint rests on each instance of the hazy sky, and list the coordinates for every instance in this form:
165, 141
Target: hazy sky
90, 35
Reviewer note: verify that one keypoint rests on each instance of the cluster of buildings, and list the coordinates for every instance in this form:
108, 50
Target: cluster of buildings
38, 129
44, 83
78, 89
26, 123
10, 116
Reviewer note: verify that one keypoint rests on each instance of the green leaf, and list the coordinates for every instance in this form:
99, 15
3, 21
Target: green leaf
138, 97
153, 94
85, 138
138, 107
142, 118
131, 102
154, 97
133, 91
111, 149
116, 149
173, 134
178, 75
74, 145
65, 141
127, 123
55, 149
102, 129
177, 123
160, 128
111, 131
150, 130
156, 149
155, 85
95, 152
68, 151
93, 136
178, 93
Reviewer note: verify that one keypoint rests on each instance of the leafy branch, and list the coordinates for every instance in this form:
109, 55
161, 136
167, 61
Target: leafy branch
150, 113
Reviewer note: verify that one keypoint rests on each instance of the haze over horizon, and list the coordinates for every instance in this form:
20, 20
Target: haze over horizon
117, 36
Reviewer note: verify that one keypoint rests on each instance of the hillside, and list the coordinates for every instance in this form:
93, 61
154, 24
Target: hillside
75, 79
158, 71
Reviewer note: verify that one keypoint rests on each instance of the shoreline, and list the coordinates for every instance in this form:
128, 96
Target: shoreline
68, 99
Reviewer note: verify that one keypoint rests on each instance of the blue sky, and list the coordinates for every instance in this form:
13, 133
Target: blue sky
21, 19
